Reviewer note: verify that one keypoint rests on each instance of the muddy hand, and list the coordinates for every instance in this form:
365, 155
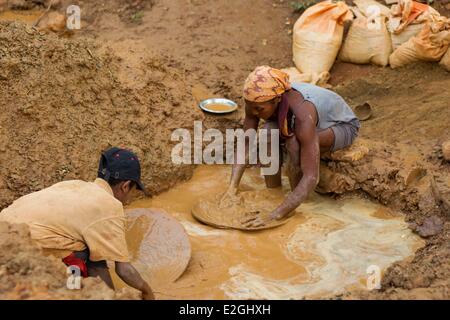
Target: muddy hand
254, 220
229, 198
148, 295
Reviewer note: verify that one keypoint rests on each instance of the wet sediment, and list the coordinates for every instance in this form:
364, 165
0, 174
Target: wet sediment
326, 247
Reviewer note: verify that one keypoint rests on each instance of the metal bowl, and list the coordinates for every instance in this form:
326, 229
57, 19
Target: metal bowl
205, 103
363, 111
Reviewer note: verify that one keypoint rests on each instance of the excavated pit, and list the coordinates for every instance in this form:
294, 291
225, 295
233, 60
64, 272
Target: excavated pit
324, 249
60, 117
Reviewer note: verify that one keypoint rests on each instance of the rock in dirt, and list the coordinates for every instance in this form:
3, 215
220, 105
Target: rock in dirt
440, 186
52, 21
446, 150
431, 226
333, 182
388, 173
355, 152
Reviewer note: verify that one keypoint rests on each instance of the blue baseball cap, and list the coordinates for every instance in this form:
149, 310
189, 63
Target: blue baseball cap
121, 164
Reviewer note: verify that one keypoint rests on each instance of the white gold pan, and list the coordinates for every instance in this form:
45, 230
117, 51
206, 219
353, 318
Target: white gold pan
218, 105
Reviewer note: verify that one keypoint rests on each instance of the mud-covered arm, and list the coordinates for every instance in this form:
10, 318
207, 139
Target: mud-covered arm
131, 277
250, 122
305, 132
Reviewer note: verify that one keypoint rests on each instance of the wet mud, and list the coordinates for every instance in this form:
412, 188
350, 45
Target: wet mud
324, 249
158, 244
246, 205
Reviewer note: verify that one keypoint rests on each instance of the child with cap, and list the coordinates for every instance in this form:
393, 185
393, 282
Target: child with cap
84, 222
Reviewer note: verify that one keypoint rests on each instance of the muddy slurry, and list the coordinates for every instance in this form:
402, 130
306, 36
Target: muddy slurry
247, 205
326, 248
159, 244
219, 107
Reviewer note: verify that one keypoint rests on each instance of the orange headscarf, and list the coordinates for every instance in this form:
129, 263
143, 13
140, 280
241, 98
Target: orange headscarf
265, 83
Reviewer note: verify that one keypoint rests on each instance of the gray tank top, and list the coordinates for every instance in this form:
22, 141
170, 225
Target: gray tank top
331, 108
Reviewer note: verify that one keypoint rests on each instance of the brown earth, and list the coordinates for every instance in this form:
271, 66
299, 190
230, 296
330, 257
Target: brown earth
63, 103
216, 42
126, 78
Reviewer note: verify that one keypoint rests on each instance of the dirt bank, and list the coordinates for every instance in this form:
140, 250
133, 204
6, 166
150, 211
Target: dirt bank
218, 42
63, 102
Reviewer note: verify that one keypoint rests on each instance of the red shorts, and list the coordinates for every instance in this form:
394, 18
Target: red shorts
72, 260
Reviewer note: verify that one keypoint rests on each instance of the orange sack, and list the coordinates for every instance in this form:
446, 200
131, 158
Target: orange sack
408, 19
409, 11
368, 40
445, 61
318, 36
429, 45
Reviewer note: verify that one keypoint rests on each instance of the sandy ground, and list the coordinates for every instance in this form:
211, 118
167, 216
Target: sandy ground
128, 77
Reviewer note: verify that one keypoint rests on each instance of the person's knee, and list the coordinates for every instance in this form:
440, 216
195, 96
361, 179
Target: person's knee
354, 134
344, 136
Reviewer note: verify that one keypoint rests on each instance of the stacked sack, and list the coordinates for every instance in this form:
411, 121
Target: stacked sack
407, 19
407, 32
419, 33
445, 62
318, 36
366, 6
368, 39
430, 44
297, 76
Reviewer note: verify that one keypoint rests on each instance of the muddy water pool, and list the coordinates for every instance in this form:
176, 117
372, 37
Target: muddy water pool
325, 249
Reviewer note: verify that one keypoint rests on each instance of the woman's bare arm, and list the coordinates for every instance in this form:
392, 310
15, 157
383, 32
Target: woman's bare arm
250, 122
305, 131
